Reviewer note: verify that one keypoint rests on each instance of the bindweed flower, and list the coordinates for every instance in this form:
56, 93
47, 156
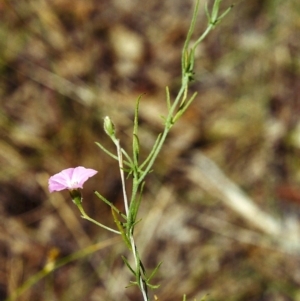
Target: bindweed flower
73, 179
70, 178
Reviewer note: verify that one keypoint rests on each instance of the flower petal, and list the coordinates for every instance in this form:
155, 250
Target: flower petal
70, 178
61, 180
81, 174
55, 186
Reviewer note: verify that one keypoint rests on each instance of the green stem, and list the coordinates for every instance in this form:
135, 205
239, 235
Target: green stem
168, 126
141, 282
85, 216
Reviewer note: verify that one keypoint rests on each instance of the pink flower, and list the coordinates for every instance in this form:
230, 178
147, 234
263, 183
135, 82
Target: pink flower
70, 178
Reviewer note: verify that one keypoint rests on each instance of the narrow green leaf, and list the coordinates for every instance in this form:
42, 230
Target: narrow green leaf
107, 151
136, 147
168, 98
185, 58
106, 201
135, 138
141, 265
184, 108
215, 12
154, 271
128, 265
152, 152
133, 283
127, 163
153, 286
121, 229
207, 13
130, 162
226, 12
137, 203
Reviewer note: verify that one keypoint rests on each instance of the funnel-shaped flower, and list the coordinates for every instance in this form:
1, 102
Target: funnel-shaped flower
70, 178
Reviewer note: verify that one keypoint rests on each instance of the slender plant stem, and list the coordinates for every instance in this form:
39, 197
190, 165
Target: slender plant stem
138, 180
85, 216
130, 227
168, 125
142, 284
120, 159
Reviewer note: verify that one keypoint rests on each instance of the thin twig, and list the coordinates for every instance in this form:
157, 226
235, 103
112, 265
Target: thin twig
120, 159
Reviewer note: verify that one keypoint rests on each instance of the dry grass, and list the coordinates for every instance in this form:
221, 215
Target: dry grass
67, 64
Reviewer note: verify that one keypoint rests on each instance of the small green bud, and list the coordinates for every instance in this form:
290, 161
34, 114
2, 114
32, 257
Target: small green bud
109, 127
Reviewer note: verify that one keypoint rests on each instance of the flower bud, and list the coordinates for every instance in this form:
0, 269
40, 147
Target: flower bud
109, 127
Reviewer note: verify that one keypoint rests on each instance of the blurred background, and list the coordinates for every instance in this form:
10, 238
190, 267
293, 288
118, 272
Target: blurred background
65, 64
